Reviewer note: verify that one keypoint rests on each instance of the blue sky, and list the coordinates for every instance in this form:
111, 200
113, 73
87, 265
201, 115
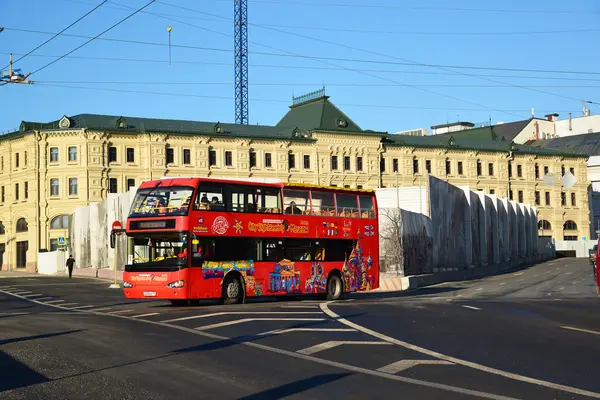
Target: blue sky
371, 93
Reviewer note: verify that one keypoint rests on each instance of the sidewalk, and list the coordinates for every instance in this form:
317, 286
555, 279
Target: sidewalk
91, 273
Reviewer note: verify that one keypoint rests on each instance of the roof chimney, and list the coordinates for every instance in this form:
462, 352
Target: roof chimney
551, 117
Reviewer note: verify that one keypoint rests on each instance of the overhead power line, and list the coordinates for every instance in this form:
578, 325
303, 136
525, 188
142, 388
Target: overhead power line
59, 33
353, 60
383, 106
279, 66
95, 37
370, 31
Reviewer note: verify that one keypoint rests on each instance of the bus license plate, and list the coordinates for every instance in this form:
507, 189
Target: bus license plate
149, 294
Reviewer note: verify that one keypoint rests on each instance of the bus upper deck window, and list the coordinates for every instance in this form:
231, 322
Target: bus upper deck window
296, 201
347, 205
323, 203
366, 206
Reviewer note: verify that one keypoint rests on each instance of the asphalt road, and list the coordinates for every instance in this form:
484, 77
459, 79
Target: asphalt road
531, 334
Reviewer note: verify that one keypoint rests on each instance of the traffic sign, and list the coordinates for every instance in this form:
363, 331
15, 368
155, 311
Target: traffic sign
584, 238
117, 225
62, 241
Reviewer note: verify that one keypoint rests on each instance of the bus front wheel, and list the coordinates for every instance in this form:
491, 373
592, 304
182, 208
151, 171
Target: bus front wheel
233, 291
335, 287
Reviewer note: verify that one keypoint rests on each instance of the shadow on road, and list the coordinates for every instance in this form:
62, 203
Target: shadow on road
15, 374
296, 387
35, 337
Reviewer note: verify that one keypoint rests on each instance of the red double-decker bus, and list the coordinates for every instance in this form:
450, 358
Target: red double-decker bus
202, 238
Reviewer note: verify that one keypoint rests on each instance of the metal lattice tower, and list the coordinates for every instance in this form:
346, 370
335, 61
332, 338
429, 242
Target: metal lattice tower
241, 60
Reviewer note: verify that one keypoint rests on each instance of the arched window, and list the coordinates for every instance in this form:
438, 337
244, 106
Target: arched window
545, 225
60, 222
22, 225
1, 228
570, 226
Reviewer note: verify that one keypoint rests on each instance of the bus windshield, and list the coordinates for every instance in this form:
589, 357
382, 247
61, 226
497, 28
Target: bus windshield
161, 201
158, 252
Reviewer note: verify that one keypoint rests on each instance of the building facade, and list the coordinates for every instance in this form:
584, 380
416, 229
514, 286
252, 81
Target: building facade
48, 169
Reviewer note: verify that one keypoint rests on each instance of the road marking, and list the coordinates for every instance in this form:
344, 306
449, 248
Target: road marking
292, 354
13, 314
307, 306
502, 283
581, 330
54, 301
240, 313
282, 331
431, 353
334, 343
519, 273
79, 307
22, 293
42, 298
561, 288
68, 304
244, 320
145, 315
33, 295
472, 307
568, 273
104, 309
478, 289
401, 365
119, 311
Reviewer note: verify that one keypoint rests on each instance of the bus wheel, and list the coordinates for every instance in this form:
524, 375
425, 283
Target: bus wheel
233, 291
335, 287
179, 303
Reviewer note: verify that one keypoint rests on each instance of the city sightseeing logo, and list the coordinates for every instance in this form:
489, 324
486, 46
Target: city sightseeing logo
220, 225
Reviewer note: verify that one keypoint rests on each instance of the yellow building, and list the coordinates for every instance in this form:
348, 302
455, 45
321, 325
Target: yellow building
48, 169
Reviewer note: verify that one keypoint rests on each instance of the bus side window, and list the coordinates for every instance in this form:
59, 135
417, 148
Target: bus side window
296, 201
323, 203
209, 197
347, 205
366, 206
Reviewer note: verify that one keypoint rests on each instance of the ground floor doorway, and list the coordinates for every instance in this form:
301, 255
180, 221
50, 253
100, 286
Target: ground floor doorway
22, 248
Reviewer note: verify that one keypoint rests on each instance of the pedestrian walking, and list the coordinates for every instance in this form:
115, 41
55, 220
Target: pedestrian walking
70, 264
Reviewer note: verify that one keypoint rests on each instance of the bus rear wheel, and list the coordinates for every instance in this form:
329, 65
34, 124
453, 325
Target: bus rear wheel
233, 290
335, 287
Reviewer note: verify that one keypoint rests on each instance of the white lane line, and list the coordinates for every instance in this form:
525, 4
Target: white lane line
502, 283
455, 360
282, 331
472, 307
568, 273
518, 274
240, 313
13, 314
329, 363
561, 288
33, 295
244, 320
401, 365
119, 311
68, 304
478, 289
54, 301
306, 306
334, 343
581, 330
103, 309
22, 293
41, 298
80, 307
145, 315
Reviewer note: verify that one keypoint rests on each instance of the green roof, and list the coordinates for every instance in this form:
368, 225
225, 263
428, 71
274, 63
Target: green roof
317, 114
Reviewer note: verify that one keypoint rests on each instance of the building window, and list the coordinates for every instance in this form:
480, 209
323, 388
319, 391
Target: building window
25, 159
187, 156
544, 225
448, 167
2, 229
491, 169
537, 171
573, 200
22, 225
428, 166
16, 191
252, 159
130, 183
3, 197
72, 186
570, 226
72, 153
510, 169
547, 198
478, 168
291, 161
112, 154
572, 170
306, 161
130, 155
54, 187
537, 198
346, 163
562, 170
415, 166
395, 165
170, 156
228, 159
520, 196
26, 190
460, 168
382, 165
359, 163
334, 163
268, 160
545, 171
212, 158
359, 186
2, 164
60, 222
563, 199
16, 160
519, 171
53, 154
492, 191
112, 185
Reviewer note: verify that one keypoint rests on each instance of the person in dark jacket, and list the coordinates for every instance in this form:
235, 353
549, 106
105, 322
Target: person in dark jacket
70, 264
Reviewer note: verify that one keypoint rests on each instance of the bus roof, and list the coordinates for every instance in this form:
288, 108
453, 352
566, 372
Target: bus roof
268, 182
